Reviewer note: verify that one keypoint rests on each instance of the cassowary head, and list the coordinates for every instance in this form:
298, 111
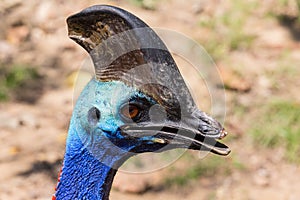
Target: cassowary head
138, 101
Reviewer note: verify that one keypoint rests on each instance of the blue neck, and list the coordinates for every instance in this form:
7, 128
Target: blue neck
92, 156
84, 176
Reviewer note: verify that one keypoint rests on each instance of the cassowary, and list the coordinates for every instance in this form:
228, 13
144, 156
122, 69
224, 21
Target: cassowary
136, 102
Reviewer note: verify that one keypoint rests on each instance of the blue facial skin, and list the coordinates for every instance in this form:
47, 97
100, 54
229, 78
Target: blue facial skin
91, 156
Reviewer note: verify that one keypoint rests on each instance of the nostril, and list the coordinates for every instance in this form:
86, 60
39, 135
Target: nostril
204, 128
209, 131
94, 115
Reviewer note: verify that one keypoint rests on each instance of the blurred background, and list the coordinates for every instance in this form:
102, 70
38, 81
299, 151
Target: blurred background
256, 46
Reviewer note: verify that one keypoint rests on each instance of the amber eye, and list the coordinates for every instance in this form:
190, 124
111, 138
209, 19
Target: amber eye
130, 111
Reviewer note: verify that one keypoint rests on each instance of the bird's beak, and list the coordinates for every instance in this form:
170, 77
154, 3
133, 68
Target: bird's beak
197, 131
118, 42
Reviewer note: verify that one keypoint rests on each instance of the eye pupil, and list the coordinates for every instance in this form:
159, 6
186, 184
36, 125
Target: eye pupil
94, 116
130, 111
133, 111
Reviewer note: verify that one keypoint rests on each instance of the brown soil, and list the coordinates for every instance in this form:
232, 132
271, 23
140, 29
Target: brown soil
33, 133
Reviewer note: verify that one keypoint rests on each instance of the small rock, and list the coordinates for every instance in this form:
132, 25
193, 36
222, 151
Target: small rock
234, 82
14, 150
198, 7
7, 51
9, 4
28, 120
235, 130
131, 183
44, 12
262, 177
9, 122
16, 35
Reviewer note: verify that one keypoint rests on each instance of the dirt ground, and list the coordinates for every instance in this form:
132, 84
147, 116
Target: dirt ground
34, 123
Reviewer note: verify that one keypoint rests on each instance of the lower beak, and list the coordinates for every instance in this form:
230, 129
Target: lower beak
172, 136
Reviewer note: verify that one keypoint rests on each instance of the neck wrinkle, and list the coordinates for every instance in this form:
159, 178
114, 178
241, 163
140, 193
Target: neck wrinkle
85, 176
88, 171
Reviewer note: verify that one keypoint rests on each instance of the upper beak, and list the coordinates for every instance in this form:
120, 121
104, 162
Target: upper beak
197, 131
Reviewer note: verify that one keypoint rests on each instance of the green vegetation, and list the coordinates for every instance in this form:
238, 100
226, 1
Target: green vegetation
212, 196
150, 161
227, 30
207, 167
279, 125
286, 73
13, 78
147, 4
